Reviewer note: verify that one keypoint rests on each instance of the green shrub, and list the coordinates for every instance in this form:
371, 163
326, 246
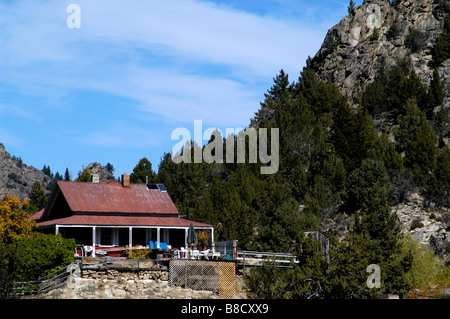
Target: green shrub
43, 254
427, 269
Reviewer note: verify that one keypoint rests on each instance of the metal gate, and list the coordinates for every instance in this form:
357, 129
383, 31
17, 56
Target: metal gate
216, 276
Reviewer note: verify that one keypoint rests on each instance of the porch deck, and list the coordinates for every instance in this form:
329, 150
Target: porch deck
156, 253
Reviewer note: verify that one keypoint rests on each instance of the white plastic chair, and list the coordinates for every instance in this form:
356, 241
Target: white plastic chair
205, 254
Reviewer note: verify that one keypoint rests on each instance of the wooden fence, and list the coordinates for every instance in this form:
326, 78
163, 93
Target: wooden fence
44, 284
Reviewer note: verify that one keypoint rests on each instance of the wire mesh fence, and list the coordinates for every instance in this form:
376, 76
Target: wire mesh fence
216, 276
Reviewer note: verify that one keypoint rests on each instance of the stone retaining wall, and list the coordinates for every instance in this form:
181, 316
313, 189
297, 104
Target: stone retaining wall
114, 284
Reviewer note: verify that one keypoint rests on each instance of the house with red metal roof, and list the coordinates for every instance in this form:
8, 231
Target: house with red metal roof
107, 217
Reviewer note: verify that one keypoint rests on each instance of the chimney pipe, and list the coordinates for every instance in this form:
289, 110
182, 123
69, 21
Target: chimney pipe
126, 180
95, 178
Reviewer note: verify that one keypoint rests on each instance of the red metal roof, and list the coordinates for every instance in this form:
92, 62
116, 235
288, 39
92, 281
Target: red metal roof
38, 215
111, 204
112, 197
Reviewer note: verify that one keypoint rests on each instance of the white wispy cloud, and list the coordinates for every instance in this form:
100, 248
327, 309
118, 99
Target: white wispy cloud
171, 61
45, 58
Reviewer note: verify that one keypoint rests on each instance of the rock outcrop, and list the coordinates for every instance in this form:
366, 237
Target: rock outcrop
427, 226
379, 35
100, 170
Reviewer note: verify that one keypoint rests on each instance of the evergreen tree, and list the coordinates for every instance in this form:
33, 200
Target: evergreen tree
67, 175
437, 186
142, 171
38, 200
298, 181
323, 97
390, 91
378, 225
350, 7
47, 171
374, 98
416, 138
84, 176
374, 239
441, 124
361, 183
272, 109
353, 135
384, 151
435, 94
441, 49
283, 227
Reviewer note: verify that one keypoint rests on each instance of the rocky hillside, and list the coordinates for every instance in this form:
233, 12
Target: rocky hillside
17, 179
380, 35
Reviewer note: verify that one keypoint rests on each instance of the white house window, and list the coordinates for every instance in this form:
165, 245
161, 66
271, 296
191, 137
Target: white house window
107, 236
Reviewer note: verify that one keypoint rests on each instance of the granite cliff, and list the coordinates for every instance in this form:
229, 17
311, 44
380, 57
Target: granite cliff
379, 35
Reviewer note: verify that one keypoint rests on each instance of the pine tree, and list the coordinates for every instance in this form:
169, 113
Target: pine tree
384, 151
47, 171
435, 94
67, 175
361, 183
84, 176
416, 138
38, 200
441, 49
437, 187
378, 225
142, 171
350, 7
353, 136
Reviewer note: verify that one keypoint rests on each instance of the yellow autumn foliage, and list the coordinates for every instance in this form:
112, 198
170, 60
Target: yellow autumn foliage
14, 220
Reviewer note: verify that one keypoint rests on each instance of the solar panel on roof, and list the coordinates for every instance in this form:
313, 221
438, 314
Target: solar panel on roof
161, 187
152, 186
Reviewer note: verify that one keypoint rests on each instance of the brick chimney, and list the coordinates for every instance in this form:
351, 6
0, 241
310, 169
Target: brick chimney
126, 180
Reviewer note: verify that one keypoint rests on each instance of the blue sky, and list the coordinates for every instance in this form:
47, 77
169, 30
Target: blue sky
114, 89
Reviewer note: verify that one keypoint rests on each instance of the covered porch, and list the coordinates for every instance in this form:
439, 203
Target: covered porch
113, 240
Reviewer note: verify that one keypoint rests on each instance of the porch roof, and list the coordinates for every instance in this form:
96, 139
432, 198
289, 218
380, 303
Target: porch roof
102, 220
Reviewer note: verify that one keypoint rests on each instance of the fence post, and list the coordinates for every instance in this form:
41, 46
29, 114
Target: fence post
243, 260
185, 274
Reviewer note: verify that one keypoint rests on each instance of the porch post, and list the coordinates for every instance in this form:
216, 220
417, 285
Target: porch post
130, 237
93, 240
56, 229
213, 245
186, 237
158, 237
